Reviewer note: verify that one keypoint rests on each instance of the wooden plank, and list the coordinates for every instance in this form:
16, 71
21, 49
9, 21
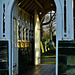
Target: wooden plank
42, 69
34, 8
25, 3
39, 4
21, 2
28, 5
20, 9
33, 5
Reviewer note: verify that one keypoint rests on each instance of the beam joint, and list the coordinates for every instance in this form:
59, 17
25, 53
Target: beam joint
39, 4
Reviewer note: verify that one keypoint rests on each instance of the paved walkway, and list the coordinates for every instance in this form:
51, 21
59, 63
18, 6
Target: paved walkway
43, 69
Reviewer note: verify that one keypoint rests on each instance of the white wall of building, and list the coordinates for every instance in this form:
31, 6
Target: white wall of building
0, 19
70, 19
8, 20
14, 38
60, 24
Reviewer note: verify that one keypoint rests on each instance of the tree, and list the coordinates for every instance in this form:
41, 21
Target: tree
49, 24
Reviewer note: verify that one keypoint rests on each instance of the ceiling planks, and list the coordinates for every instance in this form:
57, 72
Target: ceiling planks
28, 6
43, 6
21, 2
26, 2
39, 4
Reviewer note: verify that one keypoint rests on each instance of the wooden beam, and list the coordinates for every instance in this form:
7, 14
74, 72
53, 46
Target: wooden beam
34, 8
39, 4
28, 5
47, 10
33, 5
20, 9
21, 2
24, 3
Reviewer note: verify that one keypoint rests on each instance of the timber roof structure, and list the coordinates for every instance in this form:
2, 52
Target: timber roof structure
41, 6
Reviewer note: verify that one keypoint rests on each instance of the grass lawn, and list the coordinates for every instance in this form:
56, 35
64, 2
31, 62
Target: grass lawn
47, 56
48, 62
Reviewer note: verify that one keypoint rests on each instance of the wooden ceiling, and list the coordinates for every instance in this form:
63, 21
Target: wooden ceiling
43, 6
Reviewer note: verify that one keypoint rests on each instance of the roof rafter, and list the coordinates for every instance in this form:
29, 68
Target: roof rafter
28, 5
47, 10
20, 3
23, 10
39, 4
25, 3
34, 8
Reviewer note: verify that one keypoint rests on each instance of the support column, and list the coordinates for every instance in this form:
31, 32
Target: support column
37, 39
